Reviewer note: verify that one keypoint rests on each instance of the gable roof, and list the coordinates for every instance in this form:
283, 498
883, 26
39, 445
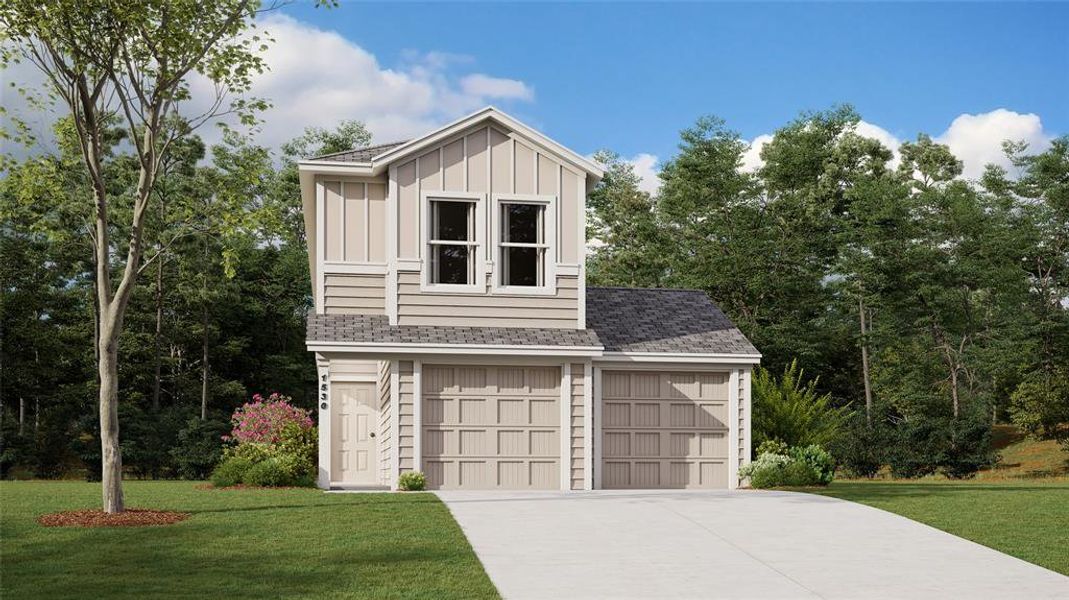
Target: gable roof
632, 320
662, 320
376, 160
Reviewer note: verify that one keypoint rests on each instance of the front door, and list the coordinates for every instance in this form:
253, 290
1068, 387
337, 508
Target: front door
355, 457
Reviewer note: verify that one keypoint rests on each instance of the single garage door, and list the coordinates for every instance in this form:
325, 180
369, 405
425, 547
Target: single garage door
664, 430
491, 427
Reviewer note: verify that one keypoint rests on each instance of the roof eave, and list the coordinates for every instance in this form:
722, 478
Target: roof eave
336, 167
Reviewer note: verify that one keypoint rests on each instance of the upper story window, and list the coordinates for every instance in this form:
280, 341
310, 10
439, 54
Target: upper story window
451, 244
525, 244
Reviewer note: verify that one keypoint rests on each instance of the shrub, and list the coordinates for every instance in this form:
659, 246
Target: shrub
198, 450
268, 473
956, 447
807, 466
263, 420
412, 481
231, 471
817, 460
790, 410
862, 449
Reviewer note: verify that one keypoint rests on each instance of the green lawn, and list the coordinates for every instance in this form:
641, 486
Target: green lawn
1029, 520
237, 544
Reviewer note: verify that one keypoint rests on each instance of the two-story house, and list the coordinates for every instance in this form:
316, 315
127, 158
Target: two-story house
455, 334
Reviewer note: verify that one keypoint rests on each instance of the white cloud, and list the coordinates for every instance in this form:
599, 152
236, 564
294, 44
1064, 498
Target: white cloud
645, 166
977, 139
496, 87
751, 159
318, 78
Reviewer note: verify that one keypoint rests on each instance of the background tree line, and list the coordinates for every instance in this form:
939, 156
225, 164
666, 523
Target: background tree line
217, 314
931, 306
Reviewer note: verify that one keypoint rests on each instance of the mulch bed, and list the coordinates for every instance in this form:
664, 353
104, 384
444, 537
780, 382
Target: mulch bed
131, 517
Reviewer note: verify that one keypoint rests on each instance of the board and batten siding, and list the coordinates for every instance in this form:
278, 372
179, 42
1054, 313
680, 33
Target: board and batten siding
488, 160
354, 294
354, 220
578, 426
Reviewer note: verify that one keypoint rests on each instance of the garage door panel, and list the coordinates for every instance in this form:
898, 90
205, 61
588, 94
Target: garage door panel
617, 414
647, 443
647, 414
664, 429
491, 427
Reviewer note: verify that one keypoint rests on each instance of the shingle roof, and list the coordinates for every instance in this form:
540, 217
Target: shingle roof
662, 320
359, 155
376, 328
618, 319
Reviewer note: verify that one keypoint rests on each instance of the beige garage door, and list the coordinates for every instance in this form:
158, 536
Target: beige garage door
664, 430
491, 427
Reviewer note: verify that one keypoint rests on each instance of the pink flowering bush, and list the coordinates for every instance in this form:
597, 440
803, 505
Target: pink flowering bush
273, 443
263, 420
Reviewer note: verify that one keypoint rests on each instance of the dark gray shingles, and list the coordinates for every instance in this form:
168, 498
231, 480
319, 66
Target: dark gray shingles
376, 328
662, 320
359, 155
620, 319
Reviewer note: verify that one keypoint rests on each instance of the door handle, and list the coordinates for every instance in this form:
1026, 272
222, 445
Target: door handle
372, 434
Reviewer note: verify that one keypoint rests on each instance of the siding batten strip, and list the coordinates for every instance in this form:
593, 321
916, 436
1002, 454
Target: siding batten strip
566, 427
588, 427
395, 422
417, 415
733, 429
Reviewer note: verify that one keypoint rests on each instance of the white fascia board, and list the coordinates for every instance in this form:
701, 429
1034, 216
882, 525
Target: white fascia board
381, 161
681, 357
490, 349
329, 167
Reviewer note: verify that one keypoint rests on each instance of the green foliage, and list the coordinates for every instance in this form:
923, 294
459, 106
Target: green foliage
289, 462
1040, 405
778, 466
958, 448
861, 450
198, 450
269, 473
790, 409
231, 471
412, 481
817, 460
773, 446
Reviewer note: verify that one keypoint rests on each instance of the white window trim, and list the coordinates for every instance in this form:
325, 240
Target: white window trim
479, 200
549, 231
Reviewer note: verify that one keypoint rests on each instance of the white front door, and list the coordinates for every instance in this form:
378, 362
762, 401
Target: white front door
355, 423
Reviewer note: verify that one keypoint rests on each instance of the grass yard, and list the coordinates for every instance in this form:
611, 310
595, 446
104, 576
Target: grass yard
1026, 519
237, 544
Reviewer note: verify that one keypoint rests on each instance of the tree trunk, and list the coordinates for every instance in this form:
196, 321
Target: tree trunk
22, 416
111, 456
865, 362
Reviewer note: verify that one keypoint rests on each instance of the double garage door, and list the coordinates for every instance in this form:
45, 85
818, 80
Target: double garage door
498, 427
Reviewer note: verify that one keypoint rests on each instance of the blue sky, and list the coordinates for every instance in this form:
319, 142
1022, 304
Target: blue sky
630, 76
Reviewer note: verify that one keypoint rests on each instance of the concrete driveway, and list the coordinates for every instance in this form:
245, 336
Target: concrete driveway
746, 544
